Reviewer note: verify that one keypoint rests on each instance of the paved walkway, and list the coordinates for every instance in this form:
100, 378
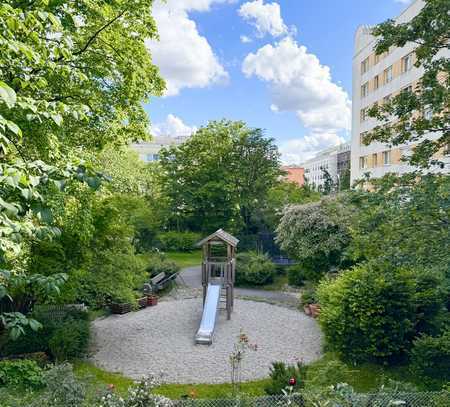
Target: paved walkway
191, 277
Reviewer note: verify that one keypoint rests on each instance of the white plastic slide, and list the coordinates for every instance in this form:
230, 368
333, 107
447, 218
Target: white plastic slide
205, 332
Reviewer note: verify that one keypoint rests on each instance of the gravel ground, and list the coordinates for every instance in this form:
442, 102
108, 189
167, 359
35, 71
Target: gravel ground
160, 340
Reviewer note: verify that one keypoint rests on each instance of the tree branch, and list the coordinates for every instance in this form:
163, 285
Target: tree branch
95, 35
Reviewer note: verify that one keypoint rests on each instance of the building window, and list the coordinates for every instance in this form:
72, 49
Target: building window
362, 162
374, 160
376, 82
386, 157
388, 75
365, 65
377, 58
407, 89
407, 62
363, 115
428, 113
365, 90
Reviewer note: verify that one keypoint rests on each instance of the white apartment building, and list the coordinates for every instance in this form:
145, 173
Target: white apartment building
376, 78
149, 150
325, 160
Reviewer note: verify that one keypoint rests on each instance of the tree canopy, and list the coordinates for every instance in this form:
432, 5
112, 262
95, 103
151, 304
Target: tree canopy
219, 177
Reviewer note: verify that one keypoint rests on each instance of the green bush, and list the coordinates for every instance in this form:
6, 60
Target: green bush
70, 340
430, 356
280, 374
74, 321
309, 296
254, 269
297, 275
369, 312
23, 373
158, 263
178, 241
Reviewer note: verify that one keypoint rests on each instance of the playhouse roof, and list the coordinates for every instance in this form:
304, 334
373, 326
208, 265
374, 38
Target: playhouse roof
220, 235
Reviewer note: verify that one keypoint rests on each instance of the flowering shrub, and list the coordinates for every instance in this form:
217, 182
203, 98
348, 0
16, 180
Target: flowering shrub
139, 395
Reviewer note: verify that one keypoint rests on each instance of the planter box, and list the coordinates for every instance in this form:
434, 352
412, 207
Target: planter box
142, 302
152, 300
120, 308
315, 310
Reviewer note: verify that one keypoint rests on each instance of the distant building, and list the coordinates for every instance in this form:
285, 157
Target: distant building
294, 174
149, 150
376, 79
335, 160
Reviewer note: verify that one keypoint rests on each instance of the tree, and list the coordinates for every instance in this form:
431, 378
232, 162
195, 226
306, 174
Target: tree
72, 77
281, 195
315, 233
411, 115
404, 220
329, 185
219, 177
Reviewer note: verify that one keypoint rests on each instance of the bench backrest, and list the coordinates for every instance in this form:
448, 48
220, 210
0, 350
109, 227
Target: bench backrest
158, 278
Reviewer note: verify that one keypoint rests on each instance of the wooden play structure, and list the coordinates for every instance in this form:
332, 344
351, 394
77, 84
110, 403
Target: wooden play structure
219, 265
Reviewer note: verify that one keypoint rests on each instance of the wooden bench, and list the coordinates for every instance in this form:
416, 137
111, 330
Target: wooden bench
161, 281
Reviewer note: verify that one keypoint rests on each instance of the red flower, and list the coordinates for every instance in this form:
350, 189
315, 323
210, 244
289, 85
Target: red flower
292, 381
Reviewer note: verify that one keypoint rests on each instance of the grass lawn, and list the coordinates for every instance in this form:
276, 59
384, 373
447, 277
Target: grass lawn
363, 378
185, 259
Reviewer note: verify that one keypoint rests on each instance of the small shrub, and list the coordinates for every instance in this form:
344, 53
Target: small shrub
158, 263
309, 296
254, 269
331, 373
62, 389
280, 375
70, 340
178, 241
22, 373
296, 275
430, 356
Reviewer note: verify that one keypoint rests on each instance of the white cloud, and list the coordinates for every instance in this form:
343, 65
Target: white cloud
297, 151
245, 39
184, 57
172, 126
299, 83
266, 18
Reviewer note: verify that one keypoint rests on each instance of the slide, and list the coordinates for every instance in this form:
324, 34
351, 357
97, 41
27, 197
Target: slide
206, 330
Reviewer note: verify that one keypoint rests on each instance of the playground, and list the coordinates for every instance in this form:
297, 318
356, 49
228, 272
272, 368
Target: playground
189, 340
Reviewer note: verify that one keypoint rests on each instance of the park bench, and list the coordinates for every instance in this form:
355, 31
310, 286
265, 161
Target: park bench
161, 281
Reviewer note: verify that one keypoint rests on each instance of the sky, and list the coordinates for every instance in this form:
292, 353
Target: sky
284, 66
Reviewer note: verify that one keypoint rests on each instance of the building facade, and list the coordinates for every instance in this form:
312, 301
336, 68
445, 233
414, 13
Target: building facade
377, 78
295, 174
327, 160
149, 150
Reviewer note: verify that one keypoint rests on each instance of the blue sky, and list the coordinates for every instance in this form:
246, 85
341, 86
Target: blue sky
281, 65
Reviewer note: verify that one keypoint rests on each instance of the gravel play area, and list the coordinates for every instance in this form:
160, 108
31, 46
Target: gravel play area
160, 340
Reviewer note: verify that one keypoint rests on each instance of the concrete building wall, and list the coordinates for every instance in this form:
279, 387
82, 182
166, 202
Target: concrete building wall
376, 78
149, 150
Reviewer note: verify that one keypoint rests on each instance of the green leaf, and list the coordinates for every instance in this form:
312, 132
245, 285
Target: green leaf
13, 127
8, 207
34, 325
7, 94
